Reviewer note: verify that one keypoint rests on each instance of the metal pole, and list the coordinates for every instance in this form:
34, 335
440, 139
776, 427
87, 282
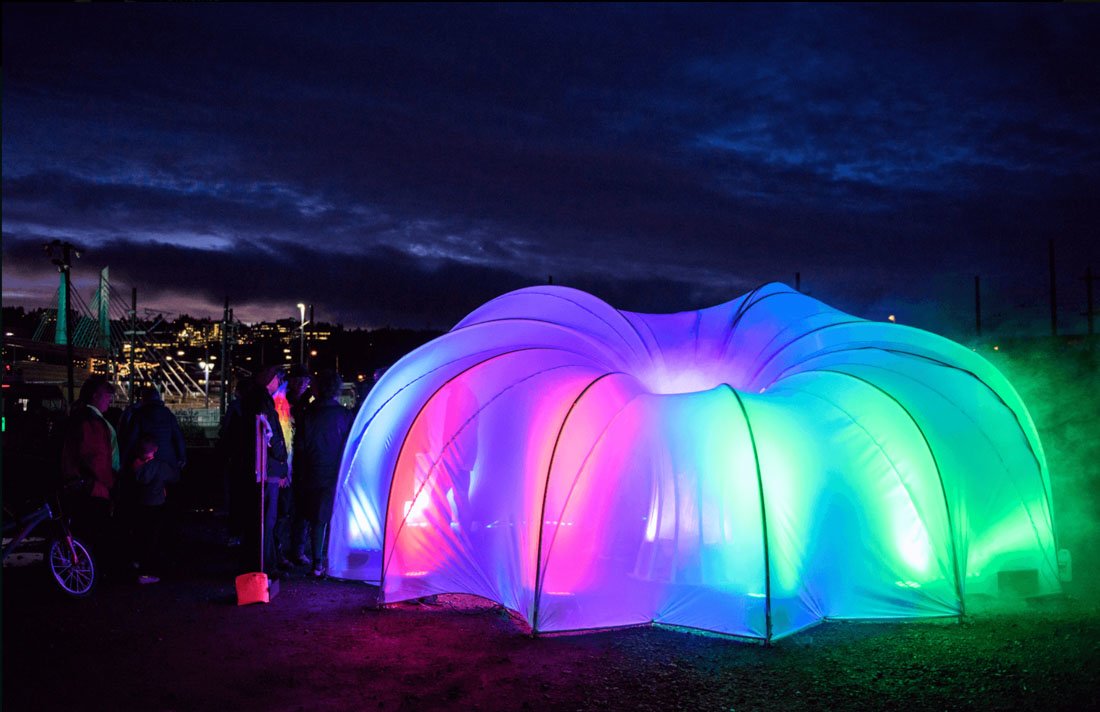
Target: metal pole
301, 334
1053, 292
68, 326
133, 337
68, 331
798, 281
64, 265
978, 304
223, 401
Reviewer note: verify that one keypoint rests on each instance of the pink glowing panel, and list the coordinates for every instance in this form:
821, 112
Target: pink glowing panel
750, 469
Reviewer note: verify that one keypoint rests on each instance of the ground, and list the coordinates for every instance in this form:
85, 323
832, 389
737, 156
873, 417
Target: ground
184, 644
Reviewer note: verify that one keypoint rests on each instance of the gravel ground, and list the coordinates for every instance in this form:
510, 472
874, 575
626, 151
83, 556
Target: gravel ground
183, 644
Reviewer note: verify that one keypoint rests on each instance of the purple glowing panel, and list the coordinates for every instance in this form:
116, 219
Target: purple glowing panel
751, 468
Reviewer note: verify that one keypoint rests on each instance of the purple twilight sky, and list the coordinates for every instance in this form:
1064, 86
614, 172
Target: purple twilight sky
400, 165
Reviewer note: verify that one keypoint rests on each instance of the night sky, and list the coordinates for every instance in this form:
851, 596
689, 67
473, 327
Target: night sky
400, 165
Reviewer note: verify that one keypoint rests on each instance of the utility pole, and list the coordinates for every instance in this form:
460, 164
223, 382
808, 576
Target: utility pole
133, 338
301, 334
313, 327
978, 304
223, 403
1053, 293
63, 261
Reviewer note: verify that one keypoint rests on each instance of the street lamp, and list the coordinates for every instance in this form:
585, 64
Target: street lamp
206, 369
302, 329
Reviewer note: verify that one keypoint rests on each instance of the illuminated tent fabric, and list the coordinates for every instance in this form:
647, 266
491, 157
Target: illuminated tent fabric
751, 468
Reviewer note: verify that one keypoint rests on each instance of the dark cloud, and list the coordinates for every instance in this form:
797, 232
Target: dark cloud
380, 286
401, 164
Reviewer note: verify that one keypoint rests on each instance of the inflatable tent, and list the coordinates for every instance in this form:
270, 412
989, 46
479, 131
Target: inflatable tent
750, 469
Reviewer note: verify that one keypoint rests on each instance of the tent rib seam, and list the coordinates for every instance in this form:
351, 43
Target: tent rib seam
763, 519
939, 475
882, 451
446, 445
996, 451
401, 449
1043, 483
584, 463
546, 489
801, 336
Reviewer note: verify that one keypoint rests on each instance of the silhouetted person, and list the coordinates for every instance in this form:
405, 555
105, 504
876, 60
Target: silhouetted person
290, 511
150, 479
318, 447
154, 419
285, 509
236, 449
89, 464
260, 407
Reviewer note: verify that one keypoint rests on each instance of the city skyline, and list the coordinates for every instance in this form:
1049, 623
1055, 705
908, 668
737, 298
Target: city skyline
399, 165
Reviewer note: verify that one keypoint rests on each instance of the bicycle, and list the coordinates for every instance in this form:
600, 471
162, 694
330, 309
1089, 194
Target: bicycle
71, 564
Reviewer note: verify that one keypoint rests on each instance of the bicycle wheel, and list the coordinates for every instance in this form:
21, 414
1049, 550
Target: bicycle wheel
72, 566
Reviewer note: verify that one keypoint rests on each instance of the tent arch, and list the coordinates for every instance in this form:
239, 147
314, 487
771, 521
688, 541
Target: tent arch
763, 519
546, 487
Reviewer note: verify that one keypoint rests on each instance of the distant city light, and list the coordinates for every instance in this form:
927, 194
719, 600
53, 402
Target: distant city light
891, 318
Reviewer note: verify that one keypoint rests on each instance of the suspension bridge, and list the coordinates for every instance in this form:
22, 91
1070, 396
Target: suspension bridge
109, 336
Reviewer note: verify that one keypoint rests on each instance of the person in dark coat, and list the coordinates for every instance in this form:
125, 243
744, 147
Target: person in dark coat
236, 449
154, 419
150, 478
291, 514
318, 448
90, 463
259, 407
